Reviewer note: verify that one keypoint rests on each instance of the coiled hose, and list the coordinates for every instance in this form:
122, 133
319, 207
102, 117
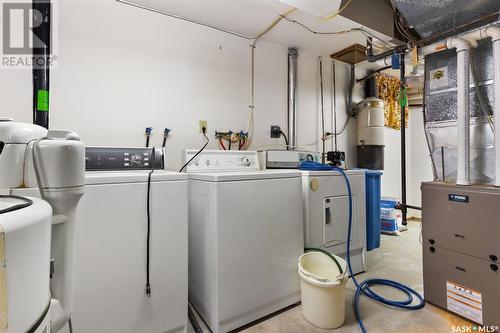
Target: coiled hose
364, 288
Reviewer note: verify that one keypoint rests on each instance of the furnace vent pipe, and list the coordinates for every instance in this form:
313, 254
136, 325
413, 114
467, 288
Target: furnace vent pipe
463, 109
472, 38
292, 97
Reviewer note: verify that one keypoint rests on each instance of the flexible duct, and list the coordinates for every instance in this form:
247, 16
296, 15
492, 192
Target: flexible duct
292, 97
494, 33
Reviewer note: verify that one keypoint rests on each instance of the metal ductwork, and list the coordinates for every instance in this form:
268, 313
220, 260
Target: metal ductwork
443, 18
292, 97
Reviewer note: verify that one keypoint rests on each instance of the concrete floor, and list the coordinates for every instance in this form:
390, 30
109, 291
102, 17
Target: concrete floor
399, 258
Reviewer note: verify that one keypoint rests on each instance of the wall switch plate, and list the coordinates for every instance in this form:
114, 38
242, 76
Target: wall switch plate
203, 123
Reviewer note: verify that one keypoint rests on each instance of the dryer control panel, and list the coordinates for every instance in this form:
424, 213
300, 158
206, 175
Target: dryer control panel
221, 160
123, 158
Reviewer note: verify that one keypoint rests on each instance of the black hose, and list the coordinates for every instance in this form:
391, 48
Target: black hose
313, 249
27, 203
192, 319
148, 236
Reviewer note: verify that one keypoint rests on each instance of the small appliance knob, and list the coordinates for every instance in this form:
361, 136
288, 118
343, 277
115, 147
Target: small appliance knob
136, 159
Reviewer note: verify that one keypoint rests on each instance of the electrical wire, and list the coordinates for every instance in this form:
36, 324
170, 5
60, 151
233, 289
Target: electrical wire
286, 139
199, 151
340, 32
337, 13
251, 107
148, 234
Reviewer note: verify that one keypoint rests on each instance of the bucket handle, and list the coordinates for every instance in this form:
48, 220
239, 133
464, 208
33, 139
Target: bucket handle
315, 277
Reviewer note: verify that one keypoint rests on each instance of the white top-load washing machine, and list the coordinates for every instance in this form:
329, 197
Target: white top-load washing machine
112, 245
326, 213
245, 237
24, 257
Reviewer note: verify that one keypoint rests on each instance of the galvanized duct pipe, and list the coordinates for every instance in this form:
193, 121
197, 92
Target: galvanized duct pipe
463, 109
292, 97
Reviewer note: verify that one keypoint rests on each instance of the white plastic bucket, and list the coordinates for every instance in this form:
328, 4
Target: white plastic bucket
322, 288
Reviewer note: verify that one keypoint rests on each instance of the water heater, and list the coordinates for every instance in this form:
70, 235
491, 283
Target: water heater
371, 134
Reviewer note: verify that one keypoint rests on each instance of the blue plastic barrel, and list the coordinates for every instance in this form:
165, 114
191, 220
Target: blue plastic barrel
373, 181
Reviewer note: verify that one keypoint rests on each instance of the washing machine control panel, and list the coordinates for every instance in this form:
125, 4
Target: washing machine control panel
122, 158
221, 160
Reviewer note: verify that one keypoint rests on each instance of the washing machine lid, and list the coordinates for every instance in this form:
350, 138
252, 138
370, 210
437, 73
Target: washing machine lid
136, 176
319, 173
20, 212
244, 175
10, 203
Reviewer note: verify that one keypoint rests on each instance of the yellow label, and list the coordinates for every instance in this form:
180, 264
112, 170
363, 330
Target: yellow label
314, 185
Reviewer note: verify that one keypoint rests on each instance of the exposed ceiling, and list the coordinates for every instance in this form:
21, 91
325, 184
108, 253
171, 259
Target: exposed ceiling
251, 17
430, 17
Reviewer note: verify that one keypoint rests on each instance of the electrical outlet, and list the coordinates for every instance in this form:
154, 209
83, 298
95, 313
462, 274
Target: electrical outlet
203, 124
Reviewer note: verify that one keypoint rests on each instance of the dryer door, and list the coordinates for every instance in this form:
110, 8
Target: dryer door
335, 222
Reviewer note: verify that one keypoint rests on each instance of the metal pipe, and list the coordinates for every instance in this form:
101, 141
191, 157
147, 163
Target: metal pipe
463, 109
404, 209
463, 27
323, 132
41, 64
292, 97
333, 100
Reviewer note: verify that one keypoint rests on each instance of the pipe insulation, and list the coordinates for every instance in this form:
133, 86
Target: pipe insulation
292, 97
463, 109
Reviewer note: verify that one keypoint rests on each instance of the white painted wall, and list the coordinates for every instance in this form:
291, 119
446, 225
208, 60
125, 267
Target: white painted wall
418, 162
121, 69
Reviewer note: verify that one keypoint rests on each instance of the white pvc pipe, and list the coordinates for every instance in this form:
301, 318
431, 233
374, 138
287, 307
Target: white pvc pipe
463, 109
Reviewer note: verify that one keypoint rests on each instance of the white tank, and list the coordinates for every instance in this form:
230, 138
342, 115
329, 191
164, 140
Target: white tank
14, 138
25, 235
59, 157
371, 122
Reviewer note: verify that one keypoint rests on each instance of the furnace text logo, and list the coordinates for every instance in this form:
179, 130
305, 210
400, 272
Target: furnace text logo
27, 35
